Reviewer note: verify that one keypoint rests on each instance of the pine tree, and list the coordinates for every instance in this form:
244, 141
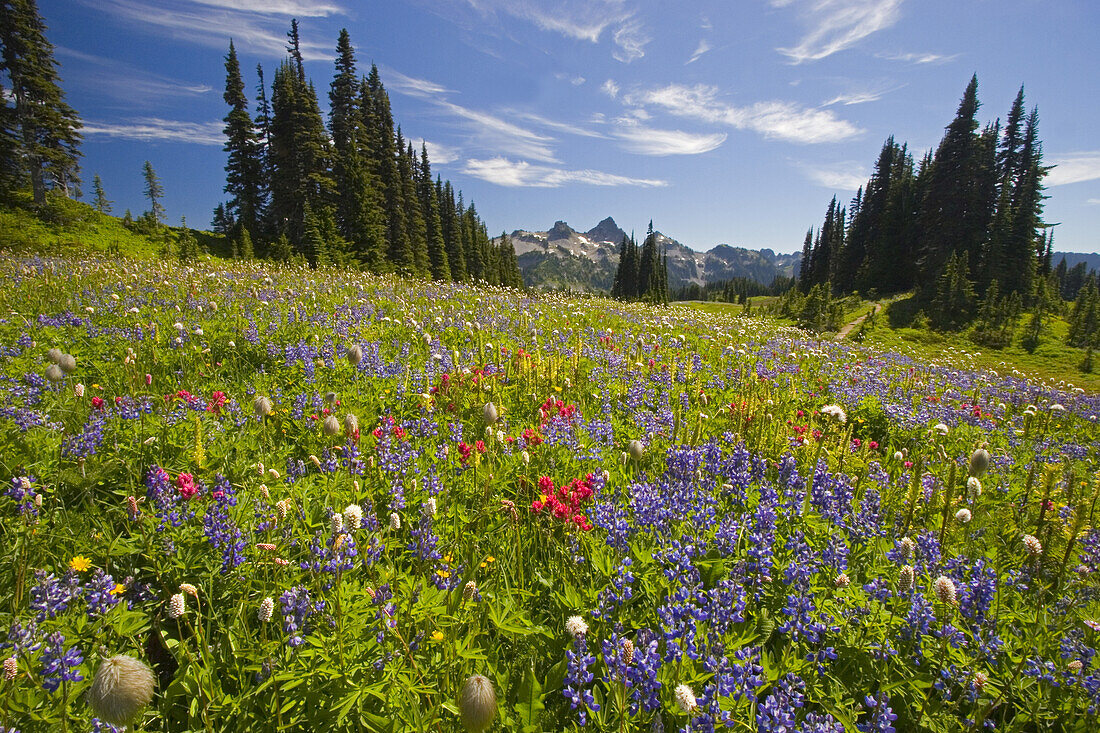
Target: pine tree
450, 225
244, 165
957, 207
952, 306
400, 253
222, 223
153, 191
187, 244
45, 128
102, 204
243, 245
805, 269
437, 247
414, 212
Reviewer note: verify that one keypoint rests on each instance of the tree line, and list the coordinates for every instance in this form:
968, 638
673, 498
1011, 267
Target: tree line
352, 192
963, 222
642, 273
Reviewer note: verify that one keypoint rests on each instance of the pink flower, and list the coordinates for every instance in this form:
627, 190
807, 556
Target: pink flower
185, 484
148, 379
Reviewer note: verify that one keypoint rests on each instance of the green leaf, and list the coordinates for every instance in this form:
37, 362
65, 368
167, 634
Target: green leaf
529, 702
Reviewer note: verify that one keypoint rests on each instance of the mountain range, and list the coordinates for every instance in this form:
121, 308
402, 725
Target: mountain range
563, 258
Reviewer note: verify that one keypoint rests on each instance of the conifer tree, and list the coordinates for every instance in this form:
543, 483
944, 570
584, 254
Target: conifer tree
101, 203
450, 225
153, 191
40, 130
243, 245
805, 269
400, 253
244, 166
414, 212
429, 203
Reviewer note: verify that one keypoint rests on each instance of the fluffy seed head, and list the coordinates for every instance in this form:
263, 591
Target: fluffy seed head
962, 516
331, 426
353, 517
979, 462
262, 406
431, 506
906, 577
267, 608
973, 487
54, 355
907, 547
490, 413
395, 521
330, 398
899, 456
177, 606
940, 429
636, 448
576, 627
354, 354
121, 688
836, 412
351, 424
945, 590
628, 652
1032, 545
54, 373
67, 363
685, 699
477, 703
189, 590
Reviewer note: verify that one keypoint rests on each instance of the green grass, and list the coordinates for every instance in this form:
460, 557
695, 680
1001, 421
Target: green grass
66, 227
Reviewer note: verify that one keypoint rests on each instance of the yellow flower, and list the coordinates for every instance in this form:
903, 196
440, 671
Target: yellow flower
119, 588
443, 573
437, 636
490, 559
447, 558
80, 563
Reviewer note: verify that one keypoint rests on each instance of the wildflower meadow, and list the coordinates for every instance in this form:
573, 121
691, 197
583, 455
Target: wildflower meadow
242, 498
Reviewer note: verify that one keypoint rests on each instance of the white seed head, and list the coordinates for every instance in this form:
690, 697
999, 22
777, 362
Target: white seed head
266, 610
979, 462
1032, 545
54, 355
490, 413
177, 606
477, 703
962, 516
262, 406
122, 686
636, 449
54, 373
67, 363
685, 699
945, 590
940, 429
351, 424
354, 354
331, 426
575, 626
353, 517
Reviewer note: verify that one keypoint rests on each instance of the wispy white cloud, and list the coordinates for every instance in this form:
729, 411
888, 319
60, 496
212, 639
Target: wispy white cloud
1093, 202
539, 120
412, 86
845, 176
287, 8
122, 81
250, 26
438, 154
649, 141
918, 58
835, 25
1074, 168
861, 96
156, 129
772, 119
702, 48
610, 88
631, 39
521, 174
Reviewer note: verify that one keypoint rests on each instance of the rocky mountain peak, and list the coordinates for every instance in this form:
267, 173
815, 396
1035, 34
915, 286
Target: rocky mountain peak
560, 230
606, 231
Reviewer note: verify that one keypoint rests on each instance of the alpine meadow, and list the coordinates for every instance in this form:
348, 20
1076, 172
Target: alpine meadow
344, 459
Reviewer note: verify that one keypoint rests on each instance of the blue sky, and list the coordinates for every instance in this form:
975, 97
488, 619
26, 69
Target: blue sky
722, 121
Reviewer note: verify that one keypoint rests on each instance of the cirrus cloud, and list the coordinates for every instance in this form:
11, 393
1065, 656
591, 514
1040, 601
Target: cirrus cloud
521, 174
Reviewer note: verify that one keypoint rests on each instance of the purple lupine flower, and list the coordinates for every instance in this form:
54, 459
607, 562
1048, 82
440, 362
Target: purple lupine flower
577, 679
780, 708
58, 663
22, 492
220, 529
295, 609
99, 595
51, 595
641, 677
881, 716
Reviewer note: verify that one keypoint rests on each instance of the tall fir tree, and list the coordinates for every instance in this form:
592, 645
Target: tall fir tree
154, 191
414, 212
429, 204
102, 203
244, 172
399, 248
450, 224
40, 130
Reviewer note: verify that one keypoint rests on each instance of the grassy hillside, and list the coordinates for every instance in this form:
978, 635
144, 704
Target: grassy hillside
67, 227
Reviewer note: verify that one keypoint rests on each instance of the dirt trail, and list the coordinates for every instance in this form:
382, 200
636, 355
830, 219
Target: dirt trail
843, 333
